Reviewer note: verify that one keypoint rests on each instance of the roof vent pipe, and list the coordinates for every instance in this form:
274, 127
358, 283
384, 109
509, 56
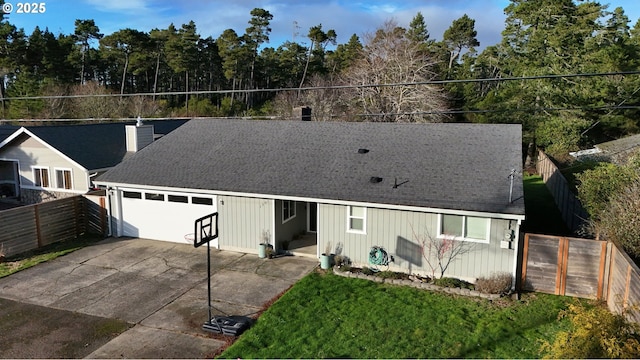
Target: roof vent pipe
363, 151
139, 121
375, 179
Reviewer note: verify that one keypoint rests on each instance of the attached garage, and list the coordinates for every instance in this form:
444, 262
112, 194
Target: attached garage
161, 215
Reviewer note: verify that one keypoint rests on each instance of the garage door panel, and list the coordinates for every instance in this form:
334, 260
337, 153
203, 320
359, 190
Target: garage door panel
160, 216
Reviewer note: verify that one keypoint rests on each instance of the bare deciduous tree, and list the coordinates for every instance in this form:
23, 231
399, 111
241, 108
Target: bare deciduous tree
390, 57
440, 251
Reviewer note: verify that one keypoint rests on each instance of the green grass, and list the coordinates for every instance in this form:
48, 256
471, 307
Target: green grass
34, 257
328, 316
542, 214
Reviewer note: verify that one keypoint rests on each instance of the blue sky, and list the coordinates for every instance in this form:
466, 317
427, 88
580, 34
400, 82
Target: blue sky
346, 17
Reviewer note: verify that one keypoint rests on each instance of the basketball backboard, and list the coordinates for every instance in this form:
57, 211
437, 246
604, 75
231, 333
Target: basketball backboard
205, 229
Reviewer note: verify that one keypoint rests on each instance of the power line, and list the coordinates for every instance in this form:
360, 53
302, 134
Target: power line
331, 87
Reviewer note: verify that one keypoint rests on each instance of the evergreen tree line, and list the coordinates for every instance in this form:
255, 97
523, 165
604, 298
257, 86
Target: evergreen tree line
540, 37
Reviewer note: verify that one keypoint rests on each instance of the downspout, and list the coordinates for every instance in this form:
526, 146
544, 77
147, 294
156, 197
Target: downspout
89, 181
109, 213
517, 257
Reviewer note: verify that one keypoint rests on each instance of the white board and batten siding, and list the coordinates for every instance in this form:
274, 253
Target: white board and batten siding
161, 215
396, 232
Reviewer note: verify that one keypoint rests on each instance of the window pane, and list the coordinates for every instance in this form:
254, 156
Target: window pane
37, 177
357, 211
67, 179
292, 208
452, 225
45, 177
178, 198
153, 196
131, 195
356, 224
476, 228
202, 201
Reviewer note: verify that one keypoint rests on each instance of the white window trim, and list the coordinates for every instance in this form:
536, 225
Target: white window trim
364, 220
33, 172
292, 205
487, 240
55, 171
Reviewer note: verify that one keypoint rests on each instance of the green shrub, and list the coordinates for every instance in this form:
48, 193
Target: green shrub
453, 283
595, 333
498, 283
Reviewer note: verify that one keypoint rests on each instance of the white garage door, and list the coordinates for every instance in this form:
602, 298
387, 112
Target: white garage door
165, 216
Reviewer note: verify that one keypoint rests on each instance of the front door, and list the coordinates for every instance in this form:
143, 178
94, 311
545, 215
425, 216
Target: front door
312, 217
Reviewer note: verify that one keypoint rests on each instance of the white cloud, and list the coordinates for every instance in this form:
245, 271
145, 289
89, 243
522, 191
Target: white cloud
128, 6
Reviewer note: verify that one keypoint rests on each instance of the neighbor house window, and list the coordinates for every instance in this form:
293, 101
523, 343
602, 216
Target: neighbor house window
357, 219
63, 179
288, 210
465, 227
41, 177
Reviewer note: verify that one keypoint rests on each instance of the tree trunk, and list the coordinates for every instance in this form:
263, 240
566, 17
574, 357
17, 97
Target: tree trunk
155, 77
124, 73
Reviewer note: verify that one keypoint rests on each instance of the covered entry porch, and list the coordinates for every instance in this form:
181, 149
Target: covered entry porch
296, 227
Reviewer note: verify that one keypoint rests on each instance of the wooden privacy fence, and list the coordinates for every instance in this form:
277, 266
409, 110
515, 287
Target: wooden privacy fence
573, 214
582, 268
34, 226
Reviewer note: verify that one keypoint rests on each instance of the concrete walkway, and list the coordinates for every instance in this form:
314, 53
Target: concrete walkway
160, 287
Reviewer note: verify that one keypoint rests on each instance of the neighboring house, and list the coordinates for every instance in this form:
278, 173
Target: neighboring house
353, 185
616, 151
40, 163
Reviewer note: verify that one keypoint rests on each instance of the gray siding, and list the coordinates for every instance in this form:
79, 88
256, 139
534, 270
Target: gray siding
394, 230
242, 221
293, 227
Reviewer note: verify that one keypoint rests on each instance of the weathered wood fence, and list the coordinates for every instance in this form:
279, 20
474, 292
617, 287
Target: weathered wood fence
573, 214
34, 226
582, 268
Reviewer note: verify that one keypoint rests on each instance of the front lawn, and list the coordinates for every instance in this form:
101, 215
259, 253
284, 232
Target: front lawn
328, 316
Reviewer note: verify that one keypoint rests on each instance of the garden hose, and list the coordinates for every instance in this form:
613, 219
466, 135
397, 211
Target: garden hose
378, 256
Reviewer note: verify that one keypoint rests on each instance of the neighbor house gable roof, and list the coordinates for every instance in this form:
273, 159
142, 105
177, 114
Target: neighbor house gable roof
6, 131
448, 166
91, 146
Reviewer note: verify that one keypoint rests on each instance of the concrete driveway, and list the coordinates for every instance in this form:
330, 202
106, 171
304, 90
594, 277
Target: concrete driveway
159, 287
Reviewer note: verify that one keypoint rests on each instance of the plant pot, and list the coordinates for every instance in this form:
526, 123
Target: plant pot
325, 261
262, 251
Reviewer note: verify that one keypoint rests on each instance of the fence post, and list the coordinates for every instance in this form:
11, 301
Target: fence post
603, 261
38, 230
103, 216
525, 255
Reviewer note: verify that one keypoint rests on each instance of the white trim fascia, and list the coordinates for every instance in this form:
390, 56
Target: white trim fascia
24, 130
319, 200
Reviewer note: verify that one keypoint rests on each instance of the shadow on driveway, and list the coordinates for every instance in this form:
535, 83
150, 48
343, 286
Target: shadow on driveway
157, 288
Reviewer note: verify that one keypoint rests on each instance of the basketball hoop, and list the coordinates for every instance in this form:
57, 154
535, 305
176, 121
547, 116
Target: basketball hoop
190, 238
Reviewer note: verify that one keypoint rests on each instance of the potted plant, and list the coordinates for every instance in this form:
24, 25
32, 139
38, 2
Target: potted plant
264, 245
325, 257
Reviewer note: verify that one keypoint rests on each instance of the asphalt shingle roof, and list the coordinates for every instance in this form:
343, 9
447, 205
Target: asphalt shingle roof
95, 146
449, 166
6, 131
